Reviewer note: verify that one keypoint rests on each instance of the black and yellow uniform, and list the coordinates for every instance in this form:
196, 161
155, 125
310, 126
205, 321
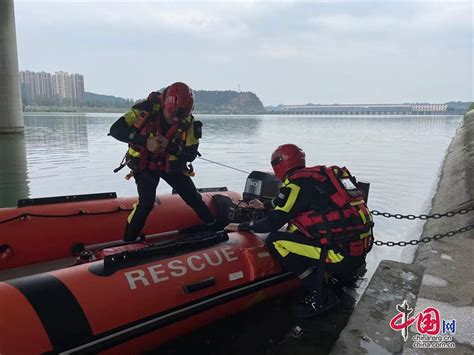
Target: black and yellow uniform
145, 120
295, 251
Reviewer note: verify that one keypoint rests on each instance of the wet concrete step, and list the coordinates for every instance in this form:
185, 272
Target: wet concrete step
448, 286
368, 329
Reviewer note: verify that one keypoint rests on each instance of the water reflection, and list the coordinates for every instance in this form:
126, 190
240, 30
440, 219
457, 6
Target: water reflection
58, 152
57, 132
13, 171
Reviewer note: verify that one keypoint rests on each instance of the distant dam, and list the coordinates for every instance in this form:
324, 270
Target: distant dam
368, 109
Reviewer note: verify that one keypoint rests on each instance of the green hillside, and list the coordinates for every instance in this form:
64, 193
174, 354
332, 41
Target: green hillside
220, 102
206, 102
97, 100
227, 102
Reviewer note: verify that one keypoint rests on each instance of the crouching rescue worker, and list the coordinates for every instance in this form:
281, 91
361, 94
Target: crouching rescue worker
329, 227
163, 137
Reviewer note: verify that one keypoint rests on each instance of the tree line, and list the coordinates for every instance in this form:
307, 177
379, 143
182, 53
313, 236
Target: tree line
206, 101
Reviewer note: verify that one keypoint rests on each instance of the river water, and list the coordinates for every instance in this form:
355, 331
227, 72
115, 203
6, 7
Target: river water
401, 156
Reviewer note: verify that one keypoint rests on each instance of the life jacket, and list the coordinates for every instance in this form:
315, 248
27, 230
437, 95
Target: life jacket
148, 124
346, 225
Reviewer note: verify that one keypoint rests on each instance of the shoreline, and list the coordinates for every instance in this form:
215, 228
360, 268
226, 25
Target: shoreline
448, 281
102, 110
440, 275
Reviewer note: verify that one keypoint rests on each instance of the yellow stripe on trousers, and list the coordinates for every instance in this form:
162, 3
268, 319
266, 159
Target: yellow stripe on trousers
130, 216
284, 247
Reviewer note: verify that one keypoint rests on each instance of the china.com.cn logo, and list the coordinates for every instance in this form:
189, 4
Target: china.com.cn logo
428, 323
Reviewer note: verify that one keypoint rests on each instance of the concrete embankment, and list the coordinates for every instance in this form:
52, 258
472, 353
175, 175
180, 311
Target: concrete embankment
442, 275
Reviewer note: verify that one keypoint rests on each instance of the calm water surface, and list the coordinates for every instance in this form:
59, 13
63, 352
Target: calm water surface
401, 157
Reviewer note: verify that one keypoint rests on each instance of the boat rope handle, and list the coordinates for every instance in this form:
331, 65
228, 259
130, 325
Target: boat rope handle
81, 212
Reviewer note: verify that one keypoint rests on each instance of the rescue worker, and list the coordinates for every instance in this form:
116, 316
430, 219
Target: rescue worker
163, 137
329, 227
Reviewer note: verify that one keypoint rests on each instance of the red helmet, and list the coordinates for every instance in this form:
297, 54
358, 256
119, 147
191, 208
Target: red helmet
179, 100
287, 157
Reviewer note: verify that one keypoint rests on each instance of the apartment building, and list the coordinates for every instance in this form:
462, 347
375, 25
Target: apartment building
60, 84
77, 87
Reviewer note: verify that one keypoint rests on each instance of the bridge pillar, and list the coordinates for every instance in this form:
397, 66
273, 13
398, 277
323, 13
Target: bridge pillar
14, 182
11, 118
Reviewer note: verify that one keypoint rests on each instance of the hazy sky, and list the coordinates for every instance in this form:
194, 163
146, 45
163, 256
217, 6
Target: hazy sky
290, 52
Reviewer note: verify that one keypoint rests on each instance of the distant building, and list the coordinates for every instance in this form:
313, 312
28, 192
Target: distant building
28, 78
365, 109
45, 84
60, 84
77, 86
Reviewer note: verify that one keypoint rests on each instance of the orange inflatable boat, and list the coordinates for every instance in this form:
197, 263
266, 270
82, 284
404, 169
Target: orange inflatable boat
50, 228
125, 298
137, 299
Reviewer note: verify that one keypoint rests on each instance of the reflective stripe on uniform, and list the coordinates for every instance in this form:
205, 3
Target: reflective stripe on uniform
334, 257
131, 116
362, 213
290, 201
133, 152
190, 137
130, 216
365, 235
284, 247
292, 228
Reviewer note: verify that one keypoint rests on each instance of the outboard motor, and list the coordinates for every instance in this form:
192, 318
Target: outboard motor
261, 185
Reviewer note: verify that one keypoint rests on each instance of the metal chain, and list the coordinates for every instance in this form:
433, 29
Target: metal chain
425, 239
422, 216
